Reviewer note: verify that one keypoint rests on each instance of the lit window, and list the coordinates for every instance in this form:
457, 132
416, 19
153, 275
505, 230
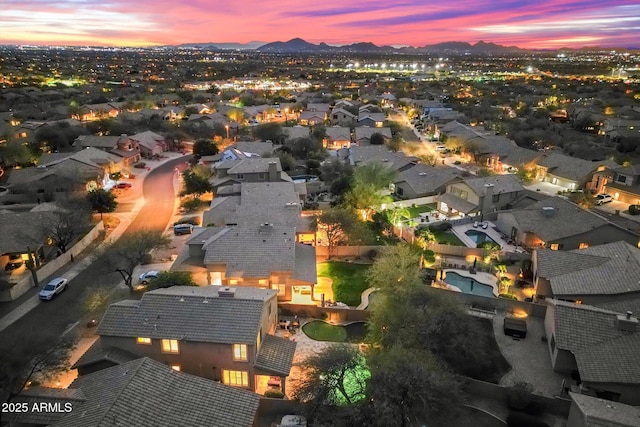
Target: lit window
233, 281
170, 346
146, 341
584, 245
235, 378
554, 246
239, 352
263, 282
176, 368
281, 288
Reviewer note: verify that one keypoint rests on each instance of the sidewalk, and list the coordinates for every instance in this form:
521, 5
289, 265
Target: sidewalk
30, 300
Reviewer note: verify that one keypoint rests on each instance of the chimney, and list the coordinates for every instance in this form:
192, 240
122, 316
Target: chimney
226, 292
548, 211
486, 201
273, 172
627, 322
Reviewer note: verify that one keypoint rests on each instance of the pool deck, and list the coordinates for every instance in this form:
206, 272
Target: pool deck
491, 231
480, 277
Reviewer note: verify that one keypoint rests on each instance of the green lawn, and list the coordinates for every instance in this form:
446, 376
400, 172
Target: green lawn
448, 238
348, 280
321, 331
415, 211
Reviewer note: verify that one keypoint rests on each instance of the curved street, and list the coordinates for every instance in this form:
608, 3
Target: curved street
52, 319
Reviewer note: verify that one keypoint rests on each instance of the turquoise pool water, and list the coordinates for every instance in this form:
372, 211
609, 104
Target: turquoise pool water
468, 285
479, 237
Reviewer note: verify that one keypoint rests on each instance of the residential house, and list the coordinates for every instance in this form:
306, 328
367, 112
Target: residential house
397, 161
340, 116
374, 120
595, 275
141, 392
25, 132
363, 134
337, 137
618, 128
589, 411
597, 346
423, 180
90, 112
311, 118
235, 256
252, 169
621, 182
319, 107
568, 172
122, 146
216, 332
558, 224
22, 233
475, 196
150, 143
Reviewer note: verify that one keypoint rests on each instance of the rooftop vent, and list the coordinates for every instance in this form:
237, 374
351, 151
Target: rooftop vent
422, 174
265, 226
548, 211
226, 292
627, 322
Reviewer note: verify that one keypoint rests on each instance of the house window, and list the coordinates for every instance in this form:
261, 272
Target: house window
584, 245
261, 176
281, 288
621, 178
170, 346
554, 246
176, 368
399, 191
263, 283
235, 378
145, 341
240, 176
240, 352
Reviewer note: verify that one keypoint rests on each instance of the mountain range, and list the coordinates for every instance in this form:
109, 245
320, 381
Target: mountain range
299, 45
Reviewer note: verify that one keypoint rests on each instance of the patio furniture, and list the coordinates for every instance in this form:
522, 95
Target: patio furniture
485, 225
284, 324
476, 224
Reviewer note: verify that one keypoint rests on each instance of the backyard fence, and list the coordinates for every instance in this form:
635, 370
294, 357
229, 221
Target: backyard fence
409, 202
322, 252
333, 314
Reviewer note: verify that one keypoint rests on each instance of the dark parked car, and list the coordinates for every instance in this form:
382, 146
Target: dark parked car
13, 265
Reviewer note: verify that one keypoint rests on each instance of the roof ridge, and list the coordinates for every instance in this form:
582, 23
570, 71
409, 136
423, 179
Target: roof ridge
139, 362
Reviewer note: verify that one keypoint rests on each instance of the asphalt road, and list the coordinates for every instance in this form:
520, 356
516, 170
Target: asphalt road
51, 319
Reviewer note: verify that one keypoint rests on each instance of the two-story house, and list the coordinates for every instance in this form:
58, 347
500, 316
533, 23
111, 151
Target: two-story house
568, 172
235, 256
597, 346
366, 118
340, 116
423, 180
252, 169
337, 137
311, 118
558, 224
363, 134
138, 392
150, 143
122, 146
622, 183
477, 196
215, 332
596, 275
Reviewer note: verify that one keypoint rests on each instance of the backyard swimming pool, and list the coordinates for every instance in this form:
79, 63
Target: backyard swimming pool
469, 285
479, 237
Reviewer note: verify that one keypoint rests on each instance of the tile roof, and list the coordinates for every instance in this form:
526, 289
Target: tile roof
366, 132
305, 263
425, 179
190, 313
96, 141
147, 393
338, 133
242, 250
148, 138
608, 269
457, 203
18, 231
569, 167
255, 165
38, 395
297, 132
563, 220
603, 352
97, 353
256, 147
601, 412
318, 107
501, 184
275, 355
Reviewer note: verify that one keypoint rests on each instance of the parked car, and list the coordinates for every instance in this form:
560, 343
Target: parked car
146, 277
603, 198
13, 265
123, 185
179, 229
53, 288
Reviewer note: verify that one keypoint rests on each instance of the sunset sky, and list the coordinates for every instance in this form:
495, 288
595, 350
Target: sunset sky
523, 23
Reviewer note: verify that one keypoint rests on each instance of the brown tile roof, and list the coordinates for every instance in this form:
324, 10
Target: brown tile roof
276, 355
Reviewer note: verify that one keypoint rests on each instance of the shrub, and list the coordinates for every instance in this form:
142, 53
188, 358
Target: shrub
194, 220
429, 256
274, 394
509, 296
634, 209
488, 245
372, 254
191, 205
441, 226
457, 162
140, 165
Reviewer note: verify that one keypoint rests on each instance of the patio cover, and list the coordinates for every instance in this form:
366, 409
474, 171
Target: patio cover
457, 203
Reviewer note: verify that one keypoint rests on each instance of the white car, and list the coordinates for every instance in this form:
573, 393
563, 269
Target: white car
146, 277
53, 288
603, 198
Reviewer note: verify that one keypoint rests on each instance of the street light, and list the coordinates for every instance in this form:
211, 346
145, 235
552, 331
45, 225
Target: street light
227, 128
